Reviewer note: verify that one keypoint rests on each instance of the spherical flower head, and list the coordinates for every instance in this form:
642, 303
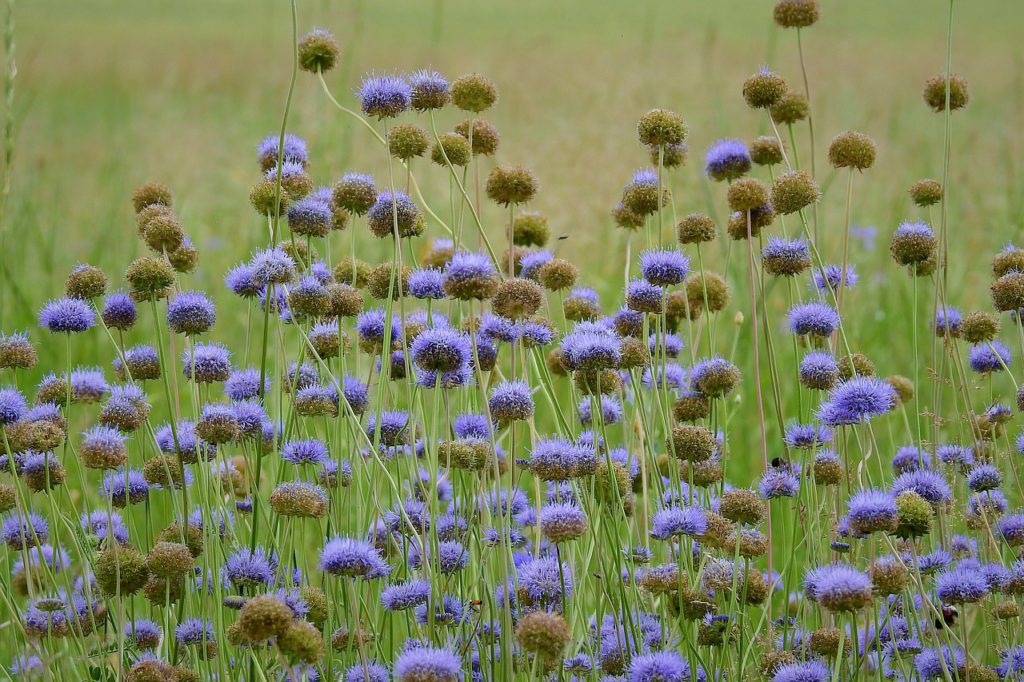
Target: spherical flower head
428, 664
852, 150
913, 244
941, 93
563, 522
384, 96
507, 185
372, 326
429, 90
935, 663
356, 394
793, 191
872, 511
557, 459
247, 568
993, 356
307, 451
786, 258
394, 428
206, 363
806, 436
20, 532
645, 297
511, 401
664, 267
714, 377
426, 283
796, 14
611, 410
388, 209
355, 192
813, 319
190, 312
474, 93
961, 585
540, 584
659, 666
830, 278
947, 322
67, 316
675, 521
591, 347
806, 671
778, 482
764, 89
194, 631
857, 400
469, 275
403, 596
1011, 529
244, 384
293, 150
441, 350
931, 485
727, 160
984, 477
12, 405
838, 587
353, 558
119, 311
318, 51
660, 127
310, 216
272, 266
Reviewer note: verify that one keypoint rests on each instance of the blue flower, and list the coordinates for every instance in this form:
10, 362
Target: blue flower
947, 322
308, 451
690, 521
831, 278
727, 160
407, 595
815, 319
351, 558
857, 400
293, 150
659, 666
12, 405
190, 312
67, 316
426, 283
930, 485
384, 96
990, 357
872, 511
119, 311
664, 267
427, 663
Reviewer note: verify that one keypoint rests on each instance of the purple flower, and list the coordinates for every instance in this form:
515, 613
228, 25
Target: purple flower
441, 350
19, 531
426, 283
384, 96
857, 400
246, 568
990, 357
472, 426
371, 326
935, 663
816, 319
406, 595
67, 316
531, 262
356, 394
190, 312
611, 410
807, 435
819, 368
511, 401
293, 150
930, 485
643, 296
1011, 528
872, 511
244, 384
468, 265
12, 405
984, 477
808, 671
961, 586
206, 363
310, 216
558, 459
429, 88
779, 482
727, 160
119, 311
947, 321
831, 278
143, 633
423, 664
271, 266
838, 587
104, 525
664, 267
124, 487
242, 281
589, 346
911, 458
539, 581
394, 429
309, 451
352, 558
659, 666
690, 521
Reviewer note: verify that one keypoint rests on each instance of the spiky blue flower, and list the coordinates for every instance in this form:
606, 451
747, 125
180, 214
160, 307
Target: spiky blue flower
67, 316
664, 267
993, 356
857, 400
727, 160
672, 521
384, 96
814, 319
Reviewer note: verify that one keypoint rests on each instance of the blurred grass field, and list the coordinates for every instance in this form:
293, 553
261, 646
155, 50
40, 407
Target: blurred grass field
112, 94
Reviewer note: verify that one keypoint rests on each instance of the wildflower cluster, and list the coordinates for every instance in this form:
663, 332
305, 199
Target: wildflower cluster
467, 463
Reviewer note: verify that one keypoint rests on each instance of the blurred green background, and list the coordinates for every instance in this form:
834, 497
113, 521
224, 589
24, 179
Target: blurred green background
112, 94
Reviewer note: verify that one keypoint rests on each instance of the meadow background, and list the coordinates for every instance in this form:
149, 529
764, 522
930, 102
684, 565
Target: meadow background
113, 94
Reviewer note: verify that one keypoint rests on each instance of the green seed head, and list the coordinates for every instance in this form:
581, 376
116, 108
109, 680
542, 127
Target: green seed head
935, 91
530, 229
474, 93
926, 192
791, 108
764, 89
661, 127
766, 151
793, 191
852, 150
452, 148
746, 194
318, 51
149, 278
511, 185
149, 194
86, 282
485, 136
796, 13
696, 228
407, 141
